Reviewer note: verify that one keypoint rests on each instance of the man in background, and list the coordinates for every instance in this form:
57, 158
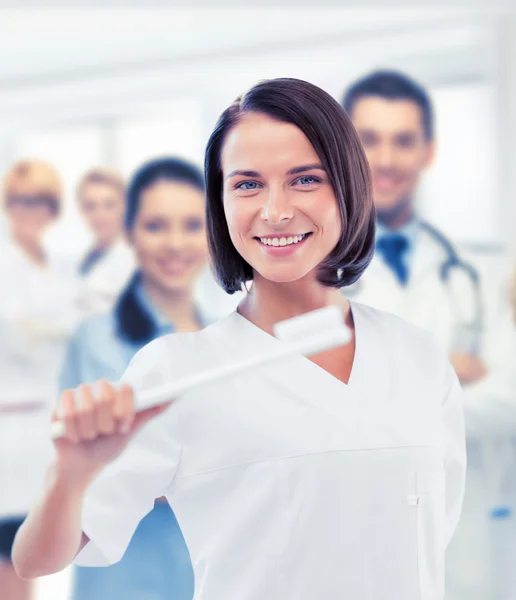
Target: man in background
418, 274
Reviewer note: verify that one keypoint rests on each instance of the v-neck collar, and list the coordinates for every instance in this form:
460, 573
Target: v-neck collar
268, 338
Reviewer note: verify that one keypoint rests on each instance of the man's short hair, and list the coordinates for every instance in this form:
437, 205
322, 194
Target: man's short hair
392, 85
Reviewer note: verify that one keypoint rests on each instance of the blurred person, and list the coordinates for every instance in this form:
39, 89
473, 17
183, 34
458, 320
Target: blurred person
512, 294
418, 274
38, 311
504, 523
165, 224
109, 263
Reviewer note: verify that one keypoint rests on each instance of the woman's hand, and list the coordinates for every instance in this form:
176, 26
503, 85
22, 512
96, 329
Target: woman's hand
469, 368
97, 428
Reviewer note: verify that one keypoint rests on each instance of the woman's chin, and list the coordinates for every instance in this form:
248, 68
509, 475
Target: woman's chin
173, 284
289, 275
175, 281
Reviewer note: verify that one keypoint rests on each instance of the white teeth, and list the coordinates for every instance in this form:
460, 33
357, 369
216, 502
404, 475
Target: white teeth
283, 241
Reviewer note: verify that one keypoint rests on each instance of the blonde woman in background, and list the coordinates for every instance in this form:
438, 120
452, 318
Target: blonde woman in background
38, 309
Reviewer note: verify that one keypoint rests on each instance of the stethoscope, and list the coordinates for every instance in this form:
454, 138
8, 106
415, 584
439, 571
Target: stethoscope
451, 270
491, 450
453, 267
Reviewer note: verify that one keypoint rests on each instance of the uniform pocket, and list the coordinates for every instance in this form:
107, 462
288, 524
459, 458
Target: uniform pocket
430, 505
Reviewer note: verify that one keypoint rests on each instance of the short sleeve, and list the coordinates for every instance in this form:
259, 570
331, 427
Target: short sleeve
124, 492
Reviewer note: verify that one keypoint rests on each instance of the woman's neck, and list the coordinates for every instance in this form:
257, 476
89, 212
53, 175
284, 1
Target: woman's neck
107, 243
177, 306
270, 302
32, 250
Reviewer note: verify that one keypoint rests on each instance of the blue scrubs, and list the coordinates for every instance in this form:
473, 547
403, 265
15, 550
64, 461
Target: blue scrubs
156, 565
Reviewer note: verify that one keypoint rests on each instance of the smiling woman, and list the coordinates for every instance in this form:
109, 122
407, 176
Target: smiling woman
341, 475
290, 198
291, 171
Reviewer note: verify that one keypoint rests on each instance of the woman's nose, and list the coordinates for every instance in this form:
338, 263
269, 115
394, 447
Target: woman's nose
277, 207
175, 240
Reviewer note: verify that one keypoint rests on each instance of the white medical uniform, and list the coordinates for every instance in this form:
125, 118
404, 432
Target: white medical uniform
109, 276
287, 483
489, 405
38, 310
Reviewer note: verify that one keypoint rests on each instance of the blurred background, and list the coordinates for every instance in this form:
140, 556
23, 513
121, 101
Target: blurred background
113, 86
116, 87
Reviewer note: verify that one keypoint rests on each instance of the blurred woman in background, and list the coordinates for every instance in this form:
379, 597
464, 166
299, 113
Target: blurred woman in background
39, 308
109, 262
165, 223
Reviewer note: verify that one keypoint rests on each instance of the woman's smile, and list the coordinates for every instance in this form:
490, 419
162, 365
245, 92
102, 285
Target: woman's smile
285, 244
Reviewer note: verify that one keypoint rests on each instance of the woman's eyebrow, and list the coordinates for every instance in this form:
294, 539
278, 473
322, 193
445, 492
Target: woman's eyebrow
243, 173
304, 168
293, 171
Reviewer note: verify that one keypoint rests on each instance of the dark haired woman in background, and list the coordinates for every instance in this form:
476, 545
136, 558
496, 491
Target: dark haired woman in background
338, 476
166, 224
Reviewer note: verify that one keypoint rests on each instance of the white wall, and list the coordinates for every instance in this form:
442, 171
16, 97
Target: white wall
167, 75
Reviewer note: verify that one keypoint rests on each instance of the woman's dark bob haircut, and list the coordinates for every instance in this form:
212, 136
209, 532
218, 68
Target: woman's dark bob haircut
166, 168
133, 322
331, 133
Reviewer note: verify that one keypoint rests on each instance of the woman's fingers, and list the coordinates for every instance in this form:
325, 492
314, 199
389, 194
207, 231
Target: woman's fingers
67, 414
124, 409
86, 421
106, 423
111, 411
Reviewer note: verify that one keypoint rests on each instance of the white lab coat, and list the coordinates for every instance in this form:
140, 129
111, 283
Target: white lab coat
287, 483
38, 310
108, 276
489, 405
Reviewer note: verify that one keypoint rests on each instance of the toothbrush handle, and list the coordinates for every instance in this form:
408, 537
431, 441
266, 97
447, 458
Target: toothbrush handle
173, 389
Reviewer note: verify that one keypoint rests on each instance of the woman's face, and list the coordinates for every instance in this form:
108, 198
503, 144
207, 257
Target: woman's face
29, 217
282, 214
103, 205
169, 235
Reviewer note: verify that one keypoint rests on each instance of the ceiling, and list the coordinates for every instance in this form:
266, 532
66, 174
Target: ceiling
44, 44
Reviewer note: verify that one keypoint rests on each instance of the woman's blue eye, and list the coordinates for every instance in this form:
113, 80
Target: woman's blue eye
247, 185
194, 225
153, 227
307, 179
